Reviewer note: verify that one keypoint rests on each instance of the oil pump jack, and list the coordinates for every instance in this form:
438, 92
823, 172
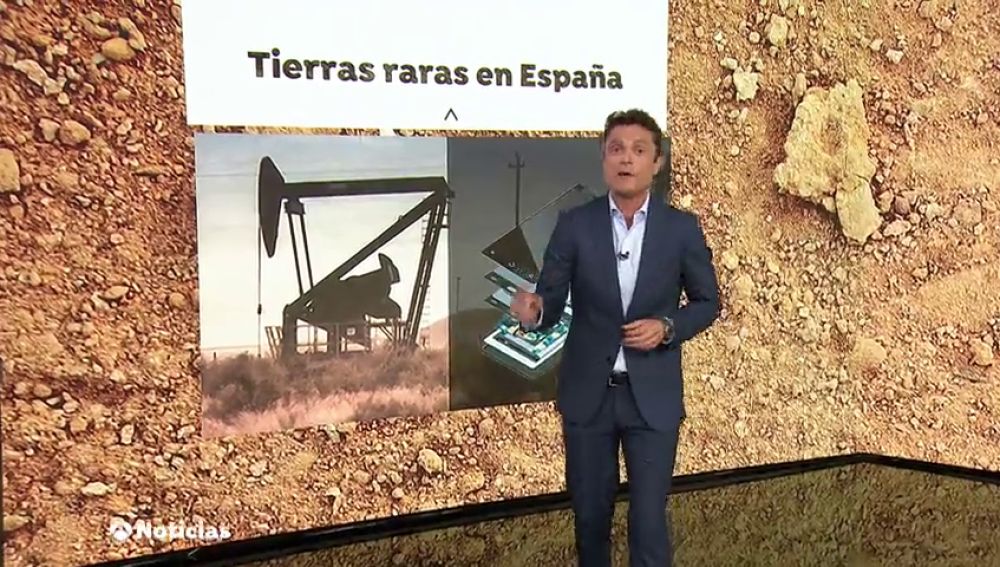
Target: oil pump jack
349, 309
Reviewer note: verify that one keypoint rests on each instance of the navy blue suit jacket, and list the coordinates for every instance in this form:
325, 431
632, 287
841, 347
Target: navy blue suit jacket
580, 260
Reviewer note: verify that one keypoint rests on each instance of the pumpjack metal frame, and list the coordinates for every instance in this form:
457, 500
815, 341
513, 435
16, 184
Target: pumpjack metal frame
273, 190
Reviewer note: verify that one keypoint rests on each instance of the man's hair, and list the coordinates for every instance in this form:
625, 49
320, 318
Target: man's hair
637, 117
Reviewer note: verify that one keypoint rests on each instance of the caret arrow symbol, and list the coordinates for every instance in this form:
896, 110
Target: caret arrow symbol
451, 112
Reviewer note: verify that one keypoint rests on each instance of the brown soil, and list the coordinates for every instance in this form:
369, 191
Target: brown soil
825, 346
860, 515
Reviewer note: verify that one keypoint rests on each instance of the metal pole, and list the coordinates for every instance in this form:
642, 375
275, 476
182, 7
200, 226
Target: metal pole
517, 166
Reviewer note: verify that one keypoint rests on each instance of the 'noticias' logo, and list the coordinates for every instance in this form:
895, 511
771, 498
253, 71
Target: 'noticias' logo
121, 531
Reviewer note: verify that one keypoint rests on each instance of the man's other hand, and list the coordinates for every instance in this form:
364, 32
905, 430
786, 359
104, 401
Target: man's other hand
644, 334
526, 307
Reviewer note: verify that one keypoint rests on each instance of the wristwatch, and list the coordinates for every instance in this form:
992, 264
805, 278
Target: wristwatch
668, 329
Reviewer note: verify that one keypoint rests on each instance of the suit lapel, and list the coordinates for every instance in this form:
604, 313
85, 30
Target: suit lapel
647, 262
605, 249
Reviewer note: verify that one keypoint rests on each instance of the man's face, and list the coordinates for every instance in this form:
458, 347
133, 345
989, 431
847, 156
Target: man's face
630, 160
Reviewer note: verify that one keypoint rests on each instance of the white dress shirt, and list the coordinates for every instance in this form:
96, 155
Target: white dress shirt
628, 251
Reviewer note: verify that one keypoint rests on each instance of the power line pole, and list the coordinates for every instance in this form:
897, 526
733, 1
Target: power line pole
517, 166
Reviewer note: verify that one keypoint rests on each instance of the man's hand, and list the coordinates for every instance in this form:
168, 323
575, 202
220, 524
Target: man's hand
644, 334
526, 307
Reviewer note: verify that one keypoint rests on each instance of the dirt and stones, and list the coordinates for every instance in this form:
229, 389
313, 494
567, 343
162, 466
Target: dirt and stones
99, 303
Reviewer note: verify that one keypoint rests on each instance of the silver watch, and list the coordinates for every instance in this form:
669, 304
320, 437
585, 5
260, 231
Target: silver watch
668, 328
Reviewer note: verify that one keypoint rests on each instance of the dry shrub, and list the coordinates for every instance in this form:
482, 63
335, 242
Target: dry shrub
243, 383
339, 408
365, 386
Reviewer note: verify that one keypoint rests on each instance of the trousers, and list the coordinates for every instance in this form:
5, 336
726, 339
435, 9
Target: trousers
592, 480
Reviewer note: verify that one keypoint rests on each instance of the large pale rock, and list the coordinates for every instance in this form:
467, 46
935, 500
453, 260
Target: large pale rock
72, 133
857, 211
10, 172
826, 158
777, 31
982, 353
866, 354
746, 84
117, 49
14, 522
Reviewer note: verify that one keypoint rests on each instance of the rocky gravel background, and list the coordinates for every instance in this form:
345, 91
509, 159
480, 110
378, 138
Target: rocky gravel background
844, 160
858, 515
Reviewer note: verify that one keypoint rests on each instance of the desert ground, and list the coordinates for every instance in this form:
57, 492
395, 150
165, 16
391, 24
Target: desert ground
856, 515
845, 327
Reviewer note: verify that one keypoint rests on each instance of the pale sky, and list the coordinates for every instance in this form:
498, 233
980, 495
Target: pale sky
229, 237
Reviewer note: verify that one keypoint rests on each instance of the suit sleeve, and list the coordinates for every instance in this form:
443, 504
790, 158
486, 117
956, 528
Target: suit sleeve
700, 283
558, 265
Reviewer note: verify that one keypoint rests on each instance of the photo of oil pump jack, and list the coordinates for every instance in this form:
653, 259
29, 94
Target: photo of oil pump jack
348, 324
348, 311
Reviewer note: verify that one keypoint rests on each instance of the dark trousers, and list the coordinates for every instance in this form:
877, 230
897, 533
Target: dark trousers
592, 480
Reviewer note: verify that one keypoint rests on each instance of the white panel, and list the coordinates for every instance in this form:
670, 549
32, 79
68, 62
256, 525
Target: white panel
223, 87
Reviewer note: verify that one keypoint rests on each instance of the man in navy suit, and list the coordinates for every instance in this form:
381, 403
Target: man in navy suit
623, 261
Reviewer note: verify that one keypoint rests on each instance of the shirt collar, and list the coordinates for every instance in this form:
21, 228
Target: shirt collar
644, 209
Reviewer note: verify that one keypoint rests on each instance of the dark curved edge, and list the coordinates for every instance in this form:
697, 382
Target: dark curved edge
281, 545
964, 473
